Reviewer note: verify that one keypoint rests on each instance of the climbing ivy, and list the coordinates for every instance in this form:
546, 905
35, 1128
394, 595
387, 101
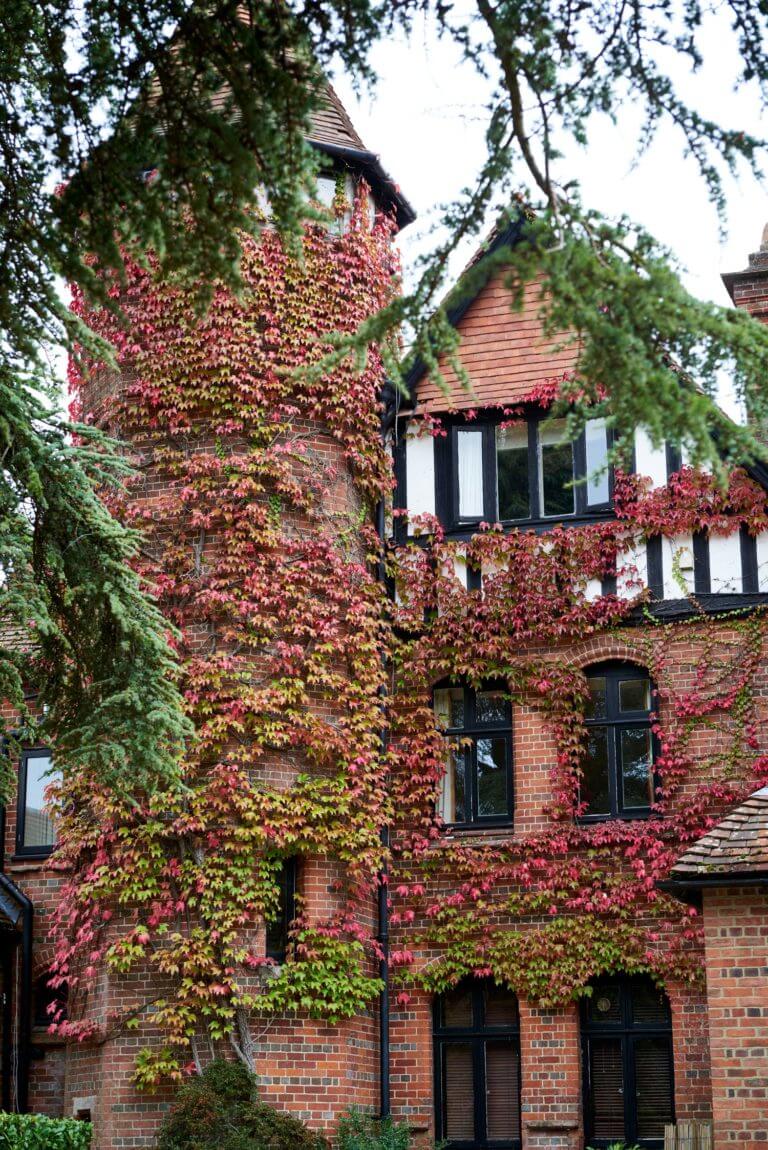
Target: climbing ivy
547, 911
258, 468
253, 492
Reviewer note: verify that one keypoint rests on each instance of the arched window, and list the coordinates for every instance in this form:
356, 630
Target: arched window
627, 1044
477, 787
477, 1066
617, 764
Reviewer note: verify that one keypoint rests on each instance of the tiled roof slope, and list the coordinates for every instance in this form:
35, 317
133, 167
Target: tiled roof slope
738, 845
331, 123
330, 120
505, 353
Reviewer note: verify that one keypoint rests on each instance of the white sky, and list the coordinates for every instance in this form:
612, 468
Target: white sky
426, 120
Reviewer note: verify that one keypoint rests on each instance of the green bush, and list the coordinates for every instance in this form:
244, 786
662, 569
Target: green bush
219, 1110
359, 1131
36, 1132
618, 1146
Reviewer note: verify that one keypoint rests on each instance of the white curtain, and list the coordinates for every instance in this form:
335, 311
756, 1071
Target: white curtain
446, 804
470, 448
597, 462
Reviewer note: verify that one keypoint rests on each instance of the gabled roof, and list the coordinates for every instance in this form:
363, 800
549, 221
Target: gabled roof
734, 850
462, 295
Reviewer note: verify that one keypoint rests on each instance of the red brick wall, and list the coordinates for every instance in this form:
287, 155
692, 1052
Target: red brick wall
736, 929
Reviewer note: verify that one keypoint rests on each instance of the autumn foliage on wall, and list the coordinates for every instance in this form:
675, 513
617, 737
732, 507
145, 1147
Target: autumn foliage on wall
549, 910
254, 493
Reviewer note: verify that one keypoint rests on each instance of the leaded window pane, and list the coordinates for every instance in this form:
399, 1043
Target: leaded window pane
449, 707
492, 708
556, 470
636, 767
595, 787
491, 777
514, 493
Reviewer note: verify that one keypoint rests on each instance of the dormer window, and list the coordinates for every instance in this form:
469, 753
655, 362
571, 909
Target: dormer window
528, 471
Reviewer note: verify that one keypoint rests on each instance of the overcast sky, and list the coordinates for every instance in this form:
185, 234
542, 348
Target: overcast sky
426, 120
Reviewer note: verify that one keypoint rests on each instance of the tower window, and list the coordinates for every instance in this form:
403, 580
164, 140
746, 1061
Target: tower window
477, 786
35, 832
278, 927
617, 779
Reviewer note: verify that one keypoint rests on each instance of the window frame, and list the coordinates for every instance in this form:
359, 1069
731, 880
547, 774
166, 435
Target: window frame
21, 851
627, 1031
615, 671
487, 428
471, 730
286, 914
476, 1036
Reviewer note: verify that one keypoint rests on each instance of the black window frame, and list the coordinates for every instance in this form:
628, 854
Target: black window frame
448, 499
472, 730
614, 672
276, 940
21, 851
43, 996
476, 1035
628, 1031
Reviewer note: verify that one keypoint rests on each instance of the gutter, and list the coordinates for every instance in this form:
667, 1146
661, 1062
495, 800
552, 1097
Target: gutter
370, 165
716, 880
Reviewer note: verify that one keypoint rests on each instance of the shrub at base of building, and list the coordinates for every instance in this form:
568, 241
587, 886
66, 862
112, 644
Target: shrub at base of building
36, 1132
359, 1131
220, 1110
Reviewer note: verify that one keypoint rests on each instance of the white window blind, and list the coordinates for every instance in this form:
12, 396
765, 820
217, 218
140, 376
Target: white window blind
596, 438
470, 452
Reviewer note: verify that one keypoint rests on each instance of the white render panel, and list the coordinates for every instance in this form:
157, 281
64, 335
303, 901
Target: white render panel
593, 590
419, 473
685, 458
677, 552
762, 561
632, 570
650, 460
725, 573
488, 570
460, 568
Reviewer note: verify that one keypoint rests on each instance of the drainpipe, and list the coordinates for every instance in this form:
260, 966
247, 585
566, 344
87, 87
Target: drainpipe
389, 398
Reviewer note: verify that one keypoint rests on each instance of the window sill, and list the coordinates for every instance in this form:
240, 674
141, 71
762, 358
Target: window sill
465, 530
553, 1125
641, 816
34, 858
501, 831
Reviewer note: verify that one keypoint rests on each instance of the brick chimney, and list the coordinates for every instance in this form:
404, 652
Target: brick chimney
749, 288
